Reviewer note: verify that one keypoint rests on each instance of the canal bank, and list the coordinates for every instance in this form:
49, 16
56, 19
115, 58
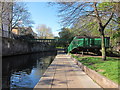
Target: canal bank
24, 71
15, 47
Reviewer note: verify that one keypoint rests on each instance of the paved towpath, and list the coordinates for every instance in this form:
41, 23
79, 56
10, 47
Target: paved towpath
64, 73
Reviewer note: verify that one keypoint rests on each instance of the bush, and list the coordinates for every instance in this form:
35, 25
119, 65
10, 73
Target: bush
24, 37
111, 52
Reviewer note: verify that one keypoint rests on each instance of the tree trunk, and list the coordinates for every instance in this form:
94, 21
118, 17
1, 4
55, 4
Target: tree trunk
11, 18
103, 47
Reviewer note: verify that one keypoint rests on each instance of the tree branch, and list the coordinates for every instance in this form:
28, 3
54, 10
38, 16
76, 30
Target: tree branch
97, 15
108, 20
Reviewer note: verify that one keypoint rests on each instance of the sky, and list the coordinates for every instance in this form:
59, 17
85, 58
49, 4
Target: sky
42, 13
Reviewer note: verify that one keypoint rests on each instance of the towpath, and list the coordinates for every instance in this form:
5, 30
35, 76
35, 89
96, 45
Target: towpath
64, 73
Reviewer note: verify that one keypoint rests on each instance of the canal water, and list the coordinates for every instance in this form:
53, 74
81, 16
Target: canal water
24, 71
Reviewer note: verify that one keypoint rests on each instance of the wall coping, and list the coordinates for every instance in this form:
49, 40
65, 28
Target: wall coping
99, 79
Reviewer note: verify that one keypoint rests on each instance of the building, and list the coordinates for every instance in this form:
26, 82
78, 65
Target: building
5, 18
24, 31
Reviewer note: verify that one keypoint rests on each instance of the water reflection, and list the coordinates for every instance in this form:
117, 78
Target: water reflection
24, 71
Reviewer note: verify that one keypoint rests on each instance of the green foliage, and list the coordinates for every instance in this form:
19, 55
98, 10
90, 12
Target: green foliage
24, 37
66, 35
87, 22
107, 68
86, 28
116, 35
105, 6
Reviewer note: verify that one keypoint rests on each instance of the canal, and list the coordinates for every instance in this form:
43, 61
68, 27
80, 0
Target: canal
24, 71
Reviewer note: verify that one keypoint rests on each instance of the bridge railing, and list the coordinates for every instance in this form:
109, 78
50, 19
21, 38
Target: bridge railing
43, 40
49, 40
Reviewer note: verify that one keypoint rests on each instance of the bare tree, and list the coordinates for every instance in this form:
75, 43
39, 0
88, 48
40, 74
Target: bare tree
44, 32
73, 12
21, 15
12, 13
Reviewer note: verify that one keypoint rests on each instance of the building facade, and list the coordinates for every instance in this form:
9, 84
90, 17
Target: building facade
24, 31
6, 18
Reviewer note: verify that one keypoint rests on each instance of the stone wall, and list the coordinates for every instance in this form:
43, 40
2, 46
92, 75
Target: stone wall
15, 47
99, 79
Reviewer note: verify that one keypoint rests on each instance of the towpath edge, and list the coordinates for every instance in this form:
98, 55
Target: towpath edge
64, 73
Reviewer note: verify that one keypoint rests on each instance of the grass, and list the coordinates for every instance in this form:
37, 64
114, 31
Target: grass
60, 47
108, 68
